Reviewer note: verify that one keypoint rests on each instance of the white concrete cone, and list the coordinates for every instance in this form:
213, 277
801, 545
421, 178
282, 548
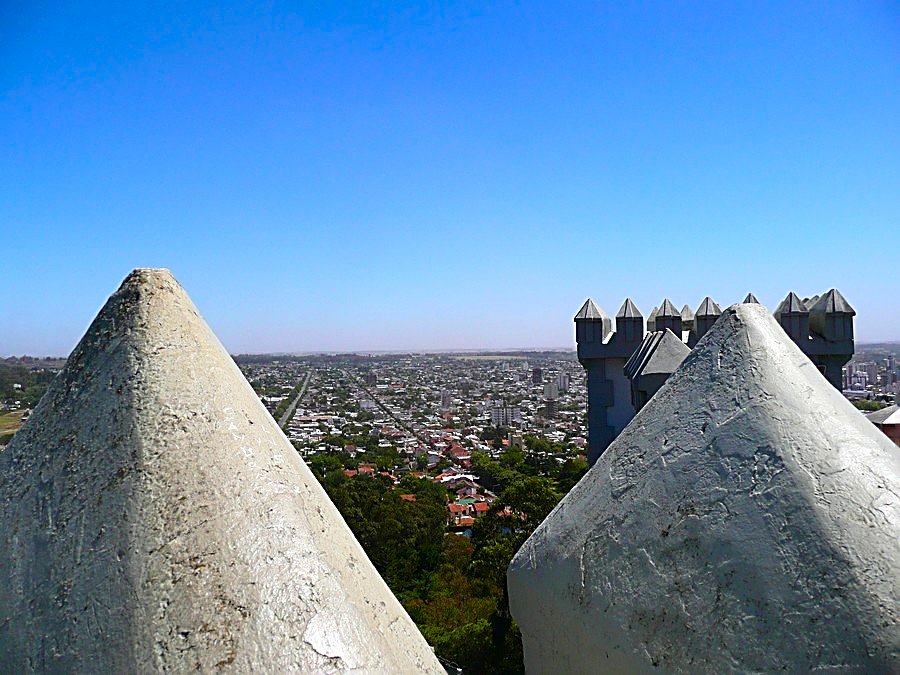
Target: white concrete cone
154, 518
747, 519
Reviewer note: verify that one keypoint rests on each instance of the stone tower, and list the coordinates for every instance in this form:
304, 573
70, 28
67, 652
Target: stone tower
822, 327
746, 521
603, 353
155, 519
831, 331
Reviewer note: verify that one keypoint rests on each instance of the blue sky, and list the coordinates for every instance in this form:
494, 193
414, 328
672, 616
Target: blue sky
335, 176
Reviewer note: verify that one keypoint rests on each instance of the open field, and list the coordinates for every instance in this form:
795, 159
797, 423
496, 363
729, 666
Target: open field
10, 422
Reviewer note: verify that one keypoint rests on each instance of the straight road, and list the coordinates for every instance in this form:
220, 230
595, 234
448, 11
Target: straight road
289, 413
374, 397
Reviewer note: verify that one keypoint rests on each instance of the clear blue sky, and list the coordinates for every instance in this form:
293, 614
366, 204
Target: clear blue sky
403, 176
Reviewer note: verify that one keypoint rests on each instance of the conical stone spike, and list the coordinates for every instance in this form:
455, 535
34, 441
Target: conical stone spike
155, 519
589, 310
792, 304
628, 310
832, 302
651, 319
707, 308
746, 520
667, 309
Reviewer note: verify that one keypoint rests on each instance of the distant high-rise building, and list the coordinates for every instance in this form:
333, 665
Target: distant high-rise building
551, 399
551, 408
445, 399
537, 376
562, 381
503, 415
371, 378
551, 391
872, 372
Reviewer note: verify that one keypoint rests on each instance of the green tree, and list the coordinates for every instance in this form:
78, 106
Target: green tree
869, 405
520, 508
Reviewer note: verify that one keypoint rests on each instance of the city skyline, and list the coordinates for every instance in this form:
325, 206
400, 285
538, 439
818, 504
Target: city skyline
427, 177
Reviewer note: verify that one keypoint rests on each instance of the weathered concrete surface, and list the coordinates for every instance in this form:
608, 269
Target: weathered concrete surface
748, 519
154, 518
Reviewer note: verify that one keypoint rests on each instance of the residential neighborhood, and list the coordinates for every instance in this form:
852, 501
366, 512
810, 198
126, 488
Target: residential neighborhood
426, 415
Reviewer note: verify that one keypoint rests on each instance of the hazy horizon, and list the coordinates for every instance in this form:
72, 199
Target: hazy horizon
436, 350
348, 177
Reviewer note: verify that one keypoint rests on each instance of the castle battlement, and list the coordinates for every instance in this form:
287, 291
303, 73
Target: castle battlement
746, 521
822, 326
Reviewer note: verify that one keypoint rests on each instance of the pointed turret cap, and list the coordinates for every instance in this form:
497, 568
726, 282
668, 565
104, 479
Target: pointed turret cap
664, 355
640, 354
687, 314
628, 310
668, 309
155, 519
590, 311
708, 307
751, 299
832, 302
651, 319
792, 304
745, 520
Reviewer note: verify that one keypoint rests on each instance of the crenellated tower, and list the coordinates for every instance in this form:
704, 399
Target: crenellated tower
603, 353
625, 366
670, 553
822, 326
